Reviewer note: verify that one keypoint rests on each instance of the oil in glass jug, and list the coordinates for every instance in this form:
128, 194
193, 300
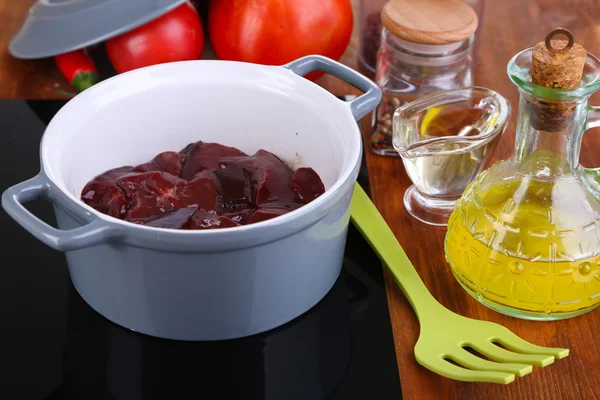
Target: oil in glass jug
524, 239
445, 140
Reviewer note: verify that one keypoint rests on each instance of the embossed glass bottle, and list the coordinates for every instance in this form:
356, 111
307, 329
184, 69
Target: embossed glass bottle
524, 239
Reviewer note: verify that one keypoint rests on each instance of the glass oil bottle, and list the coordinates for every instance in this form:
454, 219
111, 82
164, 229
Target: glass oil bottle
524, 239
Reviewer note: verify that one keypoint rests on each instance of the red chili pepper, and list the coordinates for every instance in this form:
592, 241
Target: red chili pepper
78, 68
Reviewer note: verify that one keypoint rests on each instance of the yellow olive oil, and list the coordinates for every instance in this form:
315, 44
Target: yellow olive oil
527, 246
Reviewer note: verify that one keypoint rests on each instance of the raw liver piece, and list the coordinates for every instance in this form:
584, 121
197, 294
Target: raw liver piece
102, 194
202, 192
149, 193
307, 184
269, 175
152, 193
168, 161
105, 197
174, 219
236, 189
202, 219
201, 156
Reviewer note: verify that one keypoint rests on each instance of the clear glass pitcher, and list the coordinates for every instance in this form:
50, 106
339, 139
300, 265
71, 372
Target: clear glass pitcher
524, 238
445, 139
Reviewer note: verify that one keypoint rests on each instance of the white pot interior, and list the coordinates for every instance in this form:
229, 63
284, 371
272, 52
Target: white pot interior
130, 118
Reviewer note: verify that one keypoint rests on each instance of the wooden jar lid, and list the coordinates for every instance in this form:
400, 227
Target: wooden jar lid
432, 22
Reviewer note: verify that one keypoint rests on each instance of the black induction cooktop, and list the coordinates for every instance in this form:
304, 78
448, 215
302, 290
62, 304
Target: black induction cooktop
54, 346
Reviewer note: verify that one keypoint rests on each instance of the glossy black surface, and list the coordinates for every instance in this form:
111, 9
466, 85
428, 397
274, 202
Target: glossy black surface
54, 346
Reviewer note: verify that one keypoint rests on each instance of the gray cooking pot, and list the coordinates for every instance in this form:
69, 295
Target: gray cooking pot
201, 285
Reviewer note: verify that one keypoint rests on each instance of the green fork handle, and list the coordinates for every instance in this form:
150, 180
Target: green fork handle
373, 227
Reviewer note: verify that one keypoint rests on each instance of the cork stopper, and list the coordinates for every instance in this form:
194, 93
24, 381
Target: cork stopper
556, 64
431, 22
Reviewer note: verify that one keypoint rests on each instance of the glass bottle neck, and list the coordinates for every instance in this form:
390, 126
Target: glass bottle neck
549, 134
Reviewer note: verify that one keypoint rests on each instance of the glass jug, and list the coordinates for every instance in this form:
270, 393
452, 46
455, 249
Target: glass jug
524, 239
445, 140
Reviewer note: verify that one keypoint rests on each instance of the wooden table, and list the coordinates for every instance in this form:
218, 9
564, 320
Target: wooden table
508, 27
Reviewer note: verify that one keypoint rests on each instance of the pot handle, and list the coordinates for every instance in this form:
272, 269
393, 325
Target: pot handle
359, 107
95, 232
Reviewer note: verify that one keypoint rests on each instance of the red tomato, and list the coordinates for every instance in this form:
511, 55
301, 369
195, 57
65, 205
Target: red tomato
175, 36
279, 31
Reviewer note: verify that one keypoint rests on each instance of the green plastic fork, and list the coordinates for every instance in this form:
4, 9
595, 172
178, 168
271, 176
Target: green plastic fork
445, 335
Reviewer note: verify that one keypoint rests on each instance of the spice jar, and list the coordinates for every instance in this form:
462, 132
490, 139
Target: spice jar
426, 46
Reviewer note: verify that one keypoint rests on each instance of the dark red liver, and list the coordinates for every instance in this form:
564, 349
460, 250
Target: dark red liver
204, 186
307, 184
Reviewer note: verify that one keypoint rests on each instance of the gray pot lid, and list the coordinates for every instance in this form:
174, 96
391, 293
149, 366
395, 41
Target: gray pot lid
54, 27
